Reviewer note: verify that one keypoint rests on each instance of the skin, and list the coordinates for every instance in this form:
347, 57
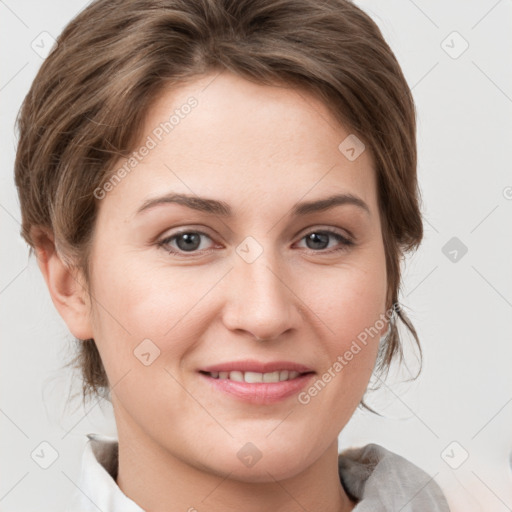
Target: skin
260, 149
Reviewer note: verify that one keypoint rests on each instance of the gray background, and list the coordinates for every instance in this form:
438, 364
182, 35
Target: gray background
455, 420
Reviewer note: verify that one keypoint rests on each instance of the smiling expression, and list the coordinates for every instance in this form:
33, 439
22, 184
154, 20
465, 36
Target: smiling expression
242, 246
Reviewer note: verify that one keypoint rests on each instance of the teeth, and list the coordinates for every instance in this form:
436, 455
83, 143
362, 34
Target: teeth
256, 377
271, 377
238, 376
251, 377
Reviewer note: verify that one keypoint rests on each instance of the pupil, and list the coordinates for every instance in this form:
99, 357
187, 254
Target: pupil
321, 238
191, 240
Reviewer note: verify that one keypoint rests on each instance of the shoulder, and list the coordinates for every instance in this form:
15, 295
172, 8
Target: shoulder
375, 476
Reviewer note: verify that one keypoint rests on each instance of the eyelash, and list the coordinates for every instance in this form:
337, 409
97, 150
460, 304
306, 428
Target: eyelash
346, 243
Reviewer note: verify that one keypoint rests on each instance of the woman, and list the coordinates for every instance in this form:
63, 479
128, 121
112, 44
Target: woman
219, 194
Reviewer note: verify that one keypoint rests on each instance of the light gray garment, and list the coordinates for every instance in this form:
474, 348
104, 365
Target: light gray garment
379, 480
382, 481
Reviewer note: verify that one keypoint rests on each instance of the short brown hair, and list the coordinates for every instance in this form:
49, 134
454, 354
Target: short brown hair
87, 104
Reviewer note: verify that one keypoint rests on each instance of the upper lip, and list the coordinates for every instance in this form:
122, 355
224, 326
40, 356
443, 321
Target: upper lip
257, 366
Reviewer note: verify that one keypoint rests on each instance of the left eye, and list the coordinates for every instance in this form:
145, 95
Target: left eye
190, 241
316, 238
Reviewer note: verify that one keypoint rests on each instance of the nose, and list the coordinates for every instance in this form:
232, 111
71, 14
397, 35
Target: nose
261, 300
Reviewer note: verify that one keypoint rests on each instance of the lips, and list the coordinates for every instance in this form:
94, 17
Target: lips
255, 377
254, 372
258, 382
257, 367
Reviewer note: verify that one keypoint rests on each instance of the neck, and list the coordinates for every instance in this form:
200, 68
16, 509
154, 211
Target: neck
157, 480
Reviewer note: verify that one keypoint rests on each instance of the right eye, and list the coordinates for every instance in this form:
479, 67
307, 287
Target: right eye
184, 242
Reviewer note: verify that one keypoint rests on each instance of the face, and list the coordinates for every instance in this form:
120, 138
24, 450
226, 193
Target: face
256, 280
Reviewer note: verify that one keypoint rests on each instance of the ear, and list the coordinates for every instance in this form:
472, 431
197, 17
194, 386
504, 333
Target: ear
66, 285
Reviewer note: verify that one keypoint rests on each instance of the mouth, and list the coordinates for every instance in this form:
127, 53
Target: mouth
256, 377
258, 383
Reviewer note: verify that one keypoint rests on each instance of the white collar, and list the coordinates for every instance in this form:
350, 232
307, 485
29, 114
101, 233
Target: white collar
375, 477
97, 489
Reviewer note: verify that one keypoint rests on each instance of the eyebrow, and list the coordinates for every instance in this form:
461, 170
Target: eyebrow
216, 207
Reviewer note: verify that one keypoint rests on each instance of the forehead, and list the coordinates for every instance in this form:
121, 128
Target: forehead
221, 135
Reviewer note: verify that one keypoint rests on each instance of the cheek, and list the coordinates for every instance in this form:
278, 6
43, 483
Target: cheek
350, 304
135, 302
350, 307
349, 300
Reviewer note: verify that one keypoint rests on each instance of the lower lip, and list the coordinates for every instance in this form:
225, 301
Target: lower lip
260, 392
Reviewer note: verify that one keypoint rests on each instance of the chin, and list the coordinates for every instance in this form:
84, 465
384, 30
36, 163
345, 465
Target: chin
252, 464
274, 468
